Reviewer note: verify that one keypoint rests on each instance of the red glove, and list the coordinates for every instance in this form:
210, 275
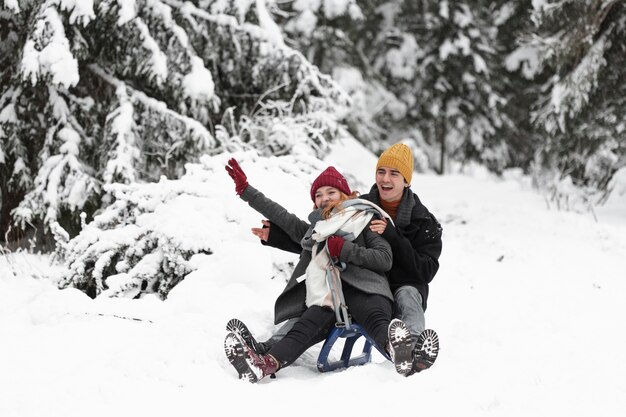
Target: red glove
237, 174
335, 243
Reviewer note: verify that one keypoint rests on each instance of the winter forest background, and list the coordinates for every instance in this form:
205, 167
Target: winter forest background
105, 104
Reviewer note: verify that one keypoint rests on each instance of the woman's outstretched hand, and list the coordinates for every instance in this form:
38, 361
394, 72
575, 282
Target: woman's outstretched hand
237, 174
262, 233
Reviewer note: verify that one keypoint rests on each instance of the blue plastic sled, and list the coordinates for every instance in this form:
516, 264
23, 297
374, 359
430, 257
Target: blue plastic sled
351, 335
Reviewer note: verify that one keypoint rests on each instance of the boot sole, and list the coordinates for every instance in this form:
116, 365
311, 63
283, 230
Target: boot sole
238, 327
400, 340
235, 352
426, 350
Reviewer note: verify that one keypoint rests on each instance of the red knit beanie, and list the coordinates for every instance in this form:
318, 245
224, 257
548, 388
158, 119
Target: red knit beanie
332, 178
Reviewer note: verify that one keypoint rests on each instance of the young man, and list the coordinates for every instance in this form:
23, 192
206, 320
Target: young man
415, 240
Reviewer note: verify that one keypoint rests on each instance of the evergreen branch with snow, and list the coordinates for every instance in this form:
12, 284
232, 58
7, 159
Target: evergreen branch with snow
115, 256
127, 91
139, 244
582, 47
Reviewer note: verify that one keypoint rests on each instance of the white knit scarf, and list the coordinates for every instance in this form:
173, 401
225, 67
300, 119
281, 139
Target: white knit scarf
347, 223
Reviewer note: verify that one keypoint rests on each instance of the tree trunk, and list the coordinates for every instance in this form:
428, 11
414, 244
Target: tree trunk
9, 201
442, 131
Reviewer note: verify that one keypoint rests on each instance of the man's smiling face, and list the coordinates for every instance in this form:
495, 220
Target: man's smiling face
390, 184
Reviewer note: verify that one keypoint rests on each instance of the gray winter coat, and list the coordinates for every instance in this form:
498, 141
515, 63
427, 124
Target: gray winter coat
368, 257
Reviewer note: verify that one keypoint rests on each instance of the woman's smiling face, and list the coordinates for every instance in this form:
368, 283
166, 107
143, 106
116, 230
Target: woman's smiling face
325, 195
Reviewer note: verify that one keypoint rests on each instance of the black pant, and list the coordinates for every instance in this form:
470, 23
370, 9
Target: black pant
371, 311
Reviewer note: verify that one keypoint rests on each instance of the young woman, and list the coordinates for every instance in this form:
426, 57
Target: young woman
366, 290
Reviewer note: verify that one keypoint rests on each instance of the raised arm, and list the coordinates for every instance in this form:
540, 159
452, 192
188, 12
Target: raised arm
291, 224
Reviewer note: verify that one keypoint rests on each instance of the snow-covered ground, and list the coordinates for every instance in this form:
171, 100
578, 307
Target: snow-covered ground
529, 305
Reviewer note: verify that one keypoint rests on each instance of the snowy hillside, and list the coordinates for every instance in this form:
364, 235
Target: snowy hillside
528, 304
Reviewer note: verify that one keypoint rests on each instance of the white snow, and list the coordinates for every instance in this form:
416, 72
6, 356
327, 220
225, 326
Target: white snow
302, 5
402, 62
479, 64
127, 11
266, 22
528, 304
527, 57
557, 96
349, 78
13, 5
539, 4
444, 9
55, 59
446, 49
8, 115
304, 23
71, 141
335, 8
158, 59
463, 43
355, 12
241, 7
126, 152
613, 209
198, 84
60, 109
19, 166
463, 16
504, 13
81, 10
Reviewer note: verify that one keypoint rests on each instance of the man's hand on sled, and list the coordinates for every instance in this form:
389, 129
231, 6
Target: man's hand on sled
237, 174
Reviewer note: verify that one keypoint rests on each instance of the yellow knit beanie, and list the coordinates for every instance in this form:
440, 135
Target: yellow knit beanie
399, 157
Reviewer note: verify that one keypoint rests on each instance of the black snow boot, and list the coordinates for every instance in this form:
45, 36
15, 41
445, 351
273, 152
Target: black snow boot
425, 351
237, 326
399, 346
250, 366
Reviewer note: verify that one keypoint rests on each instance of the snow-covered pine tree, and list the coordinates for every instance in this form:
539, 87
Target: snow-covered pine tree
106, 98
141, 245
582, 114
442, 70
68, 109
344, 38
264, 80
95, 93
118, 256
520, 73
